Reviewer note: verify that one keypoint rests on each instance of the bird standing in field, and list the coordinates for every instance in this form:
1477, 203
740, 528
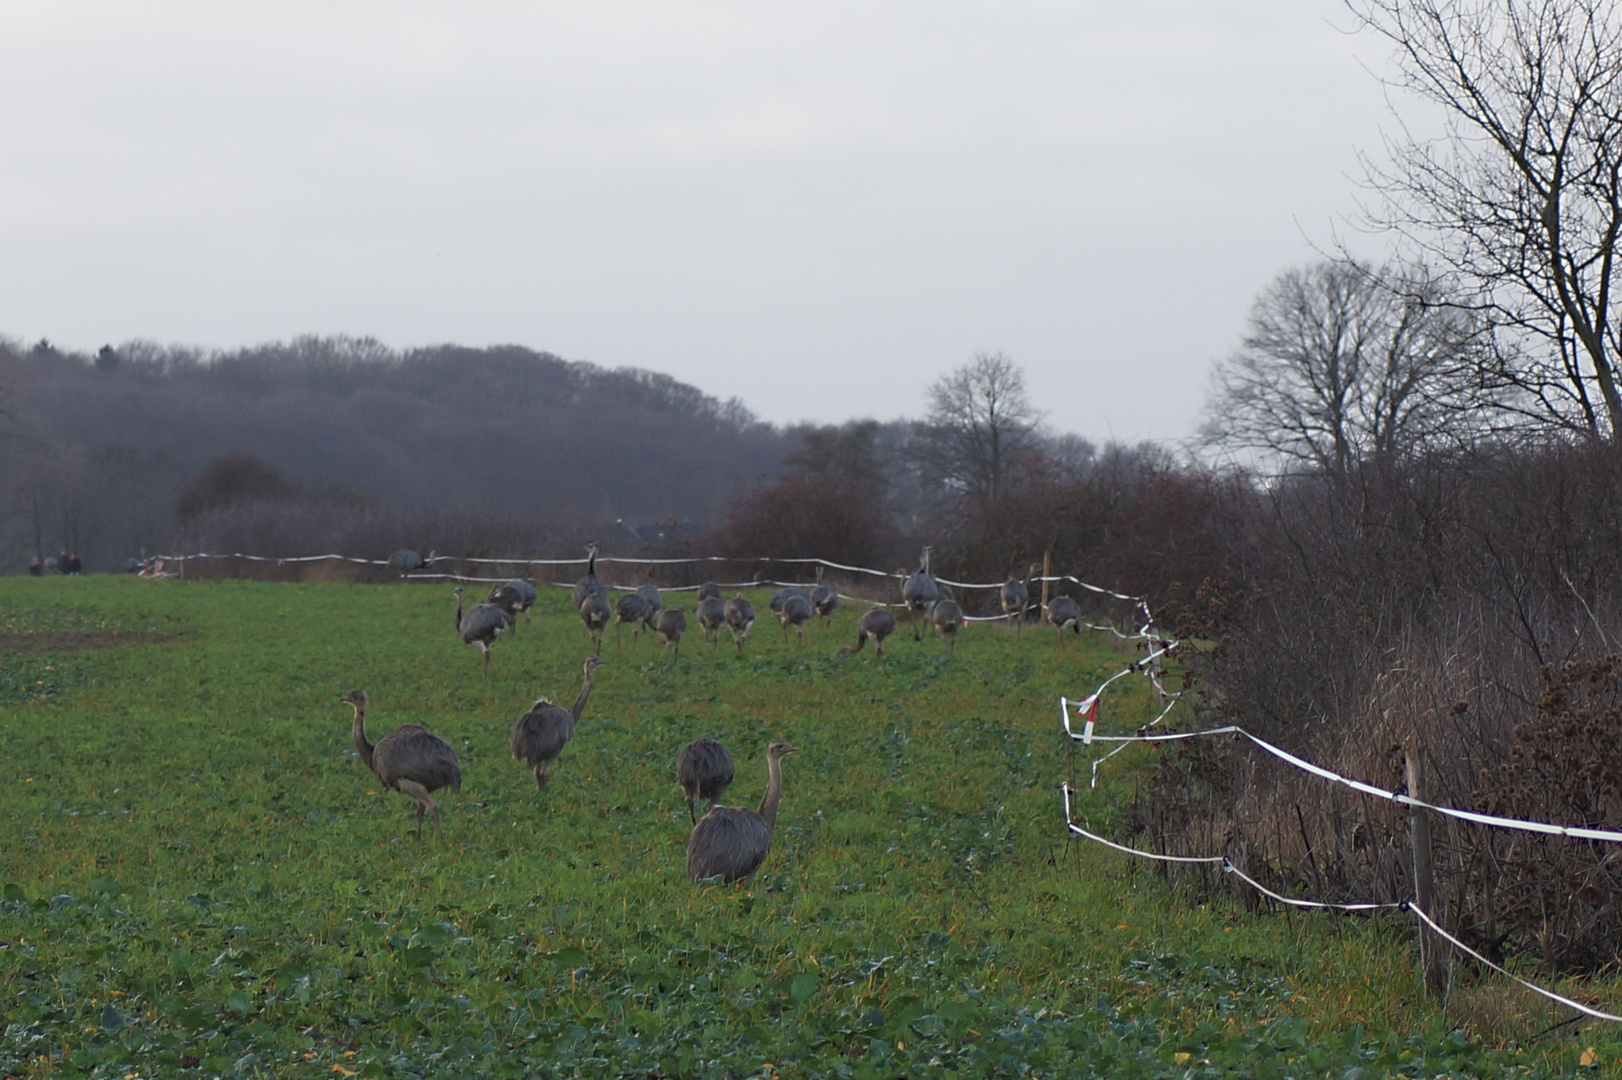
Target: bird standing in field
1015, 596
712, 615
796, 612
591, 583
709, 591
541, 734
780, 597
595, 613
919, 591
632, 609
730, 842
704, 771
480, 625
410, 759
649, 592
947, 619
824, 599
670, 625
876, 623
514, 597
740, 617
1063, 611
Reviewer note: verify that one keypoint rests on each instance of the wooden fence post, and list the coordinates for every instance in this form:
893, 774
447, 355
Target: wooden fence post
1419, 834
1047, 572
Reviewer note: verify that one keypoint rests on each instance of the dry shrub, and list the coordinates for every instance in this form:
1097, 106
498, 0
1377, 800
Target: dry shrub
1455, 609
809, 517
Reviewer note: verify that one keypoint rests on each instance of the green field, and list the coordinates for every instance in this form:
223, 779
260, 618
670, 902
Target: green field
201, 879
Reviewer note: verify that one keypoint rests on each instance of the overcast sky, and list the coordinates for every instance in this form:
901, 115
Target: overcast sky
819, 208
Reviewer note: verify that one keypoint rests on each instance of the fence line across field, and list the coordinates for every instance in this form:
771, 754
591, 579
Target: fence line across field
630, 561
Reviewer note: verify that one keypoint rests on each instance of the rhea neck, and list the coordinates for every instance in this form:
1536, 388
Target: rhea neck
363, 745
580, 702
774, 791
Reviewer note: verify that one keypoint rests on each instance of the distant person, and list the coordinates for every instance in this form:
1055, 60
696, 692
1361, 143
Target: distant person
62, 561
73, 564
35, 567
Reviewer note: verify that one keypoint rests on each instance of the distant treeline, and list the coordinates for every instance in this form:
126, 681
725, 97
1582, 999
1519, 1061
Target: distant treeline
341, 444
469, 444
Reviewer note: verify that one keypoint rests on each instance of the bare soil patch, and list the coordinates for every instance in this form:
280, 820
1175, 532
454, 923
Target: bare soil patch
58, 641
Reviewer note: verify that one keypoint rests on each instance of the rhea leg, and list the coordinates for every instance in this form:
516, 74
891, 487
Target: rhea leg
425, 802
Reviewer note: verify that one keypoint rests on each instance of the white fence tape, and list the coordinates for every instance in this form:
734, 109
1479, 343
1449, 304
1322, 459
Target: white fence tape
629, 561
1462, 947
1406, 905
1576, 832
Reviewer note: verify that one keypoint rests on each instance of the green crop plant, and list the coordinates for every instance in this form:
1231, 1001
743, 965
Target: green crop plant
201, 879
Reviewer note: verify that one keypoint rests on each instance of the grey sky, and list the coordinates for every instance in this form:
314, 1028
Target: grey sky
819, 208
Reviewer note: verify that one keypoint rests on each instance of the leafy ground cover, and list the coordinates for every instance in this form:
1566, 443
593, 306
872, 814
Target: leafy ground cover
199, 877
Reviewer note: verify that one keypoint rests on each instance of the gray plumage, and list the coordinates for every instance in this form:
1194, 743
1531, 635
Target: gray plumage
479, 625
824, 598
919, 592
651, 597
595, 613
730, 842
796, 612
410, 759
780, 597
514, 597
709, 591
947, 619
876, 623
1063, 611
712, 615
704, 771
589, 584
632, 609
670, 625
406, 561
541, 734
740, 617
1015, 597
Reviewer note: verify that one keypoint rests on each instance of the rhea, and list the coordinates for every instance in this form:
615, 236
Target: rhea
1015, 596
712, 615
947, 619
731, 842
704, 771
1063, 611
824, 598
632, 609
740, 616
796, 612
480, 625
919, 591
541, 734
595, 613
410, 759
876, 623
591, 583
513, 598
670, 624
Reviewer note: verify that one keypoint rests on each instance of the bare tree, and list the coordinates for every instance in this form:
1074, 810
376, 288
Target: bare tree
1342, 364
979, 424
1521, 198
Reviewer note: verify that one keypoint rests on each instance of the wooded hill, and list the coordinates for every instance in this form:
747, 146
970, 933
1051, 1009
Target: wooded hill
101, 449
